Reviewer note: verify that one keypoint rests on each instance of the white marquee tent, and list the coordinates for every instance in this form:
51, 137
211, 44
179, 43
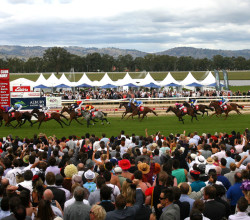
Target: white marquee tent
84, 81
21, 82
64, 81
41, 81
169, 81
52, 81
126, 80
148, 80
190, 81
208, 80
105, 81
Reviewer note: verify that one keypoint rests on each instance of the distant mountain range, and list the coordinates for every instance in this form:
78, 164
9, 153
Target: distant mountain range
37, 51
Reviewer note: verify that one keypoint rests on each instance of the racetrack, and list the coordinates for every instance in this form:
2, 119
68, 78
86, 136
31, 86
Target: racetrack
166, 124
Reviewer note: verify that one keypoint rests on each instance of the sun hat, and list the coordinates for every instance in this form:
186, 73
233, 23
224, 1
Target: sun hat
210, 160
124, 164
118, 170
144, 168
193, 156
200, 160
89, 175
70, 170
26, 159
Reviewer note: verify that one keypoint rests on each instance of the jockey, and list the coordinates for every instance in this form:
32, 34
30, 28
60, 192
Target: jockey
90, 108
138, 103
16, 107
223, 101
131, 100
79, 106
45, 109
192, 102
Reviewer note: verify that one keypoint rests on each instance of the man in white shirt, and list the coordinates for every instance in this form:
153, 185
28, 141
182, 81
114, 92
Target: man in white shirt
11, 174
27, 183
107, 176
193, 140
222, 153
238, 146
123, 147
242, 206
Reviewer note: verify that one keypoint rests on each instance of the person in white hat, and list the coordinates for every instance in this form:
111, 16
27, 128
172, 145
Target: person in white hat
90, 185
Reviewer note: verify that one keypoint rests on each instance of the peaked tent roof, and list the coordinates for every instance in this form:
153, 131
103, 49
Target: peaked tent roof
126, 80
169, 81
189, 80
22, 82
147, 80
64, 81
84, 81
41, 81
105, 80
52, 81
41, 86
210, 79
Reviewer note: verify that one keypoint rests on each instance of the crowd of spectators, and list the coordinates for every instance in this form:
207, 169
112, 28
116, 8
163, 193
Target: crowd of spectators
174, 177
153, 93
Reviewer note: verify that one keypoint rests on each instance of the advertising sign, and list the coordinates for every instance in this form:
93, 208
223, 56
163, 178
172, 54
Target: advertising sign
21, 89
25, 94
29, 103
217, 79
225, 76
54, 102
4, 87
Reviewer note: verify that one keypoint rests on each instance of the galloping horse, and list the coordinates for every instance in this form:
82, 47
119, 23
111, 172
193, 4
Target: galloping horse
9, 117
42, 117
95, 115
141, 110
72, 114
219, 110
179, 113
128, 109
234, 106
200, 107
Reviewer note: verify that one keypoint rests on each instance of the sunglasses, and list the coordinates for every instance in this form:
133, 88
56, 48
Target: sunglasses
162, 198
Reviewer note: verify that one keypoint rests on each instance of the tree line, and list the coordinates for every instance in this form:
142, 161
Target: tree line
58, 59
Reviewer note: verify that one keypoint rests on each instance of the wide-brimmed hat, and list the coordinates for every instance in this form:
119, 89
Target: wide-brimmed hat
89, 175
210, 160
200, 160
193, 156
189, 190
144, 168
124, 164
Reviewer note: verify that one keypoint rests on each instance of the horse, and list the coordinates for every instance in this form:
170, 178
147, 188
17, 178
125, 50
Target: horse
190, 111
234, 106
8, 117
72, 114
200, 107
140, 110
128, 109
95, 115
219, 110
42, 117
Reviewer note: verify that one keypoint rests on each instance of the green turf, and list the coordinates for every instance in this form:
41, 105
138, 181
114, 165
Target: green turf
165, 124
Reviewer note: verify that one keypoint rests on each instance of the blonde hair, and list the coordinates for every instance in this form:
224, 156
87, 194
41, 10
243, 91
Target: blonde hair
131, 194
99, 212
125, 186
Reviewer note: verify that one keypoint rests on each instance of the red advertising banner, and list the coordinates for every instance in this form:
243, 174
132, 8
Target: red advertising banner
21, 88
4, 87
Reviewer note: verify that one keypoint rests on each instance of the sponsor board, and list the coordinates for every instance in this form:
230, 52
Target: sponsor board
4, 88
21, 89
54, 102
29, 103
25, 94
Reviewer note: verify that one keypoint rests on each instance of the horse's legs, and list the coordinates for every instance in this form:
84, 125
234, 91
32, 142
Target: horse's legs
78, 121
64, 122
40, 124
143, 115
59, 123
196, 118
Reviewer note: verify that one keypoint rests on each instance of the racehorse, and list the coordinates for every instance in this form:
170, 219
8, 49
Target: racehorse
42, 117
128, 109
95, 115
200, 107
219, 110
8, 117
179, 113
140, 110
72, 114
234, 106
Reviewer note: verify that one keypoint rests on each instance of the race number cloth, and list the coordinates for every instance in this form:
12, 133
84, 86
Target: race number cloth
184, 110
141, 108
197, 107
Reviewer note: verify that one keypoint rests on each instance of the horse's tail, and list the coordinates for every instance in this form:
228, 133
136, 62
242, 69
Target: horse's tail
154, 113
63, 116
240, 106
104, 113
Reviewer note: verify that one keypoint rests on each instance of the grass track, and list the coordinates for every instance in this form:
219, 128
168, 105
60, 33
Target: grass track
165, 124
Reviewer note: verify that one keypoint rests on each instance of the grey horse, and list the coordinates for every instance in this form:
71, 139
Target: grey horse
95, 115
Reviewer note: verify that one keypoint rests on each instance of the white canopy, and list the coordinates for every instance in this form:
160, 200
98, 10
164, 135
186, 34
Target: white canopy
21, 82
52, 81
64, 80
41, 81
169, 79
147, 80
105, 80
208, 80
84, 80
189, 80
126, 80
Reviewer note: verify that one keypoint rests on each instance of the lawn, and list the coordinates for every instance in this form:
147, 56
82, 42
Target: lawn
164, 124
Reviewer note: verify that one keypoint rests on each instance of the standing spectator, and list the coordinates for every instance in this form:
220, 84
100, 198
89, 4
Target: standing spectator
230, 175
97, 212
242, 206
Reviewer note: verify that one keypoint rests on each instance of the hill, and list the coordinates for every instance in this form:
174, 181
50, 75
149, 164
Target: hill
37, 51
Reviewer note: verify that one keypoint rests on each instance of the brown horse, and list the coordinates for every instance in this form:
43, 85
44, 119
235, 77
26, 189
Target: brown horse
144, 112
179, 113
200, 107
72, 114
219, 110
128, 109
234, 106
8, 117
42, 117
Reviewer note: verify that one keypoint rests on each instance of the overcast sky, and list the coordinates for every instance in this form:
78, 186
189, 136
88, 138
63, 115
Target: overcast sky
146, 25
